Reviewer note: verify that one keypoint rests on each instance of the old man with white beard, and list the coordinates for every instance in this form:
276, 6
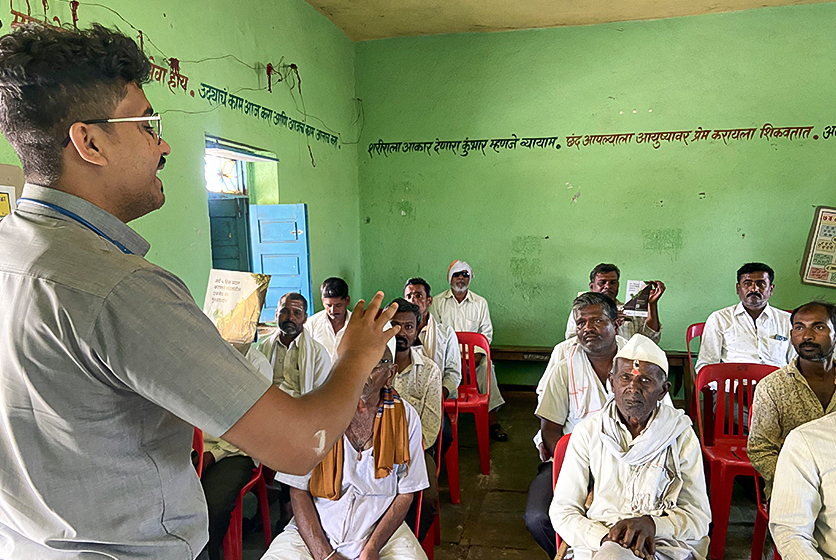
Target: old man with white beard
466, 311
649, 498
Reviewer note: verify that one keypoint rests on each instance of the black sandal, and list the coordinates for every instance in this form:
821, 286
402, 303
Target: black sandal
497, 433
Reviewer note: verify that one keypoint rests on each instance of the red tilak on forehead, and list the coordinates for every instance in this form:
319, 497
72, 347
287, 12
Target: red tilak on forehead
635, 370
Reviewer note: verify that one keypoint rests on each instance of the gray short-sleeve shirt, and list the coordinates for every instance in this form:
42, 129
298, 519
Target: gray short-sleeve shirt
98, 392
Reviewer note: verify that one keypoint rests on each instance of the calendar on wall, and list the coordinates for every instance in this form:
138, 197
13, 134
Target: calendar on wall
819, 266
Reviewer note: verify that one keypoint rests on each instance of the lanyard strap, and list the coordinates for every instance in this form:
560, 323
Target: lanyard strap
78, 219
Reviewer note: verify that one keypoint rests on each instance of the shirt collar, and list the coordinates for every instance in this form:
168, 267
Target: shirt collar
415, 353
466, 297
109, 224
739, 310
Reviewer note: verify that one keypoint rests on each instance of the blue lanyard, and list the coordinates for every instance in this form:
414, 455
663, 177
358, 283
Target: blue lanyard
78, 219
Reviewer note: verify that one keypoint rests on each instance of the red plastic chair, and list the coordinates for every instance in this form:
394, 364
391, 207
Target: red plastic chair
233, 541
692, 332
470, 401
726, 456
433, 536
761, 523
559, 455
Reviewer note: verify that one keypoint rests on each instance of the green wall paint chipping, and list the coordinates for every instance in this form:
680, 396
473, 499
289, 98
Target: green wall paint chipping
688, 215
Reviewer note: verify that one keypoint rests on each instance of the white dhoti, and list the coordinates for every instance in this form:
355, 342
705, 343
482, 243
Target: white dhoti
665, 550
402, 545
495, 399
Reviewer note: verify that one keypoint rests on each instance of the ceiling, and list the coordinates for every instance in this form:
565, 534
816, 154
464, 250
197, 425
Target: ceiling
363, 20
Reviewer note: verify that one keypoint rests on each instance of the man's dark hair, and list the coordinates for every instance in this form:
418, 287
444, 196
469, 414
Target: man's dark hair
419, 282
829, 308
405, 306
50, 79
603, 268
749, 268
588, 299
295, 296
334, 288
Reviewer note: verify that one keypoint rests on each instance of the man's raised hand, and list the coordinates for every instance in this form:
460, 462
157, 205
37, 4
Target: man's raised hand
364, 336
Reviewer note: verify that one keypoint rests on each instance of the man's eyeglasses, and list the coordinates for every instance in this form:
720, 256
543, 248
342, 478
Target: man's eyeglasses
154, 121
462, 274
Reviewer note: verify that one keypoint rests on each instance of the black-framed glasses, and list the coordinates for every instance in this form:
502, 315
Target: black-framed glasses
463, 274
154, 121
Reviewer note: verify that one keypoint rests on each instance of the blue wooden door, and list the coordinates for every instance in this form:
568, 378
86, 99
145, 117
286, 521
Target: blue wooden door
280, 248
230, 232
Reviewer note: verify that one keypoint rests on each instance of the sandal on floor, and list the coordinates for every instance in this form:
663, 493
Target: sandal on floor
497, 433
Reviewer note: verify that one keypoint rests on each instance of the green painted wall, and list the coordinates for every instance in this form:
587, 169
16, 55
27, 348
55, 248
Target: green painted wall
511, 214
256, 32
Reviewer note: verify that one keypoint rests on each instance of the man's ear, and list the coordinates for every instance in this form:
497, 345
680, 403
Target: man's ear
429, 301
591, 284
87, 141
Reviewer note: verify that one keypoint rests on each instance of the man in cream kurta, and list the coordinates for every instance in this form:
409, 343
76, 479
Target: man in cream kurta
328, 326
300, 364
646, 464
802, 512
466, 311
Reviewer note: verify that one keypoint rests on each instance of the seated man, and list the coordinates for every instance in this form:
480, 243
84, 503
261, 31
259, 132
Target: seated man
751, 331
649, 499
439, 341
300, 363
226, 470
353, 504
418, 382
327, 326
799, 392
802, 512
581, 366
466, 311
604, 279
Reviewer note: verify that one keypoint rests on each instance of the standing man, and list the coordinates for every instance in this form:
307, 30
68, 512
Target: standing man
418, 382
96, 386
751, 331
465, 311
300, 363
328, 326
799, 392
604, 279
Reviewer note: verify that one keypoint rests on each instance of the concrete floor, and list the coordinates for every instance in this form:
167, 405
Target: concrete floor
488, 524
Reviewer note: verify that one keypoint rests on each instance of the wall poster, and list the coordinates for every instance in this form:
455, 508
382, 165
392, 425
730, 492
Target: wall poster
819, 266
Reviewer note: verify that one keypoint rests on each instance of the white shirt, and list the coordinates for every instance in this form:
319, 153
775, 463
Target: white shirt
628, 328
802, 511
299, 368
420, 385
319, 327
562, 404
471, 315
588, 459
349, 521
447, 355
220, 449
730, 335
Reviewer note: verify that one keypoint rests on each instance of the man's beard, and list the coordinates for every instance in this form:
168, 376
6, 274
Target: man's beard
458, 290
815, 354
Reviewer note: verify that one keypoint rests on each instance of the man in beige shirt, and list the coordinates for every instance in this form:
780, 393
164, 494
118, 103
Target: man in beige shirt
799, 392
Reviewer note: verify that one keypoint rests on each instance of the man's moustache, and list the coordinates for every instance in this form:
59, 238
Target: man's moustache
750, 294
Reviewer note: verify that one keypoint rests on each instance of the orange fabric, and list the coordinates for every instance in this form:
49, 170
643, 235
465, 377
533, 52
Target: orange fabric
391, 447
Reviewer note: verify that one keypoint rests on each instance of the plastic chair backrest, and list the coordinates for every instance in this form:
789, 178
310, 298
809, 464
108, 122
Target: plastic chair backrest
197, 445
559, 455
469, 341
742, 379
691, 333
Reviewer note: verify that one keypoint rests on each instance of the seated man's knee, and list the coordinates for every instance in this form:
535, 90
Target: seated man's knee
614, 551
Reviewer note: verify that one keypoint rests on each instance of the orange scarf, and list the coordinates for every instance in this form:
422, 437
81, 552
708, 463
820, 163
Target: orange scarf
391, 447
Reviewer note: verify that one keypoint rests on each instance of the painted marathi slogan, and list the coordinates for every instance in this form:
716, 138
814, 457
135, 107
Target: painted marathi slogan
728, 136
221, 97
